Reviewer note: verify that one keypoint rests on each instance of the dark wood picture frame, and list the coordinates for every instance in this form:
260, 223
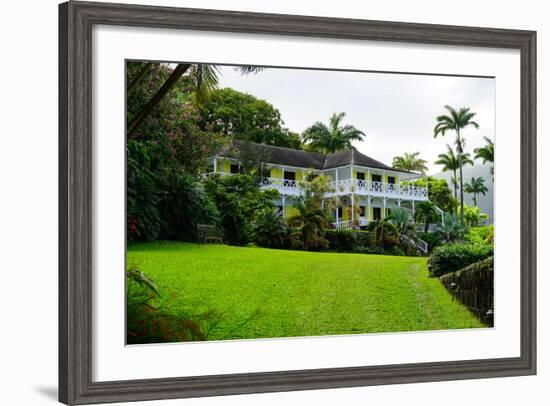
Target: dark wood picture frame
76, 20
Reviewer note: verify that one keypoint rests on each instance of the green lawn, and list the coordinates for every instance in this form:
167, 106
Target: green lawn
275, 293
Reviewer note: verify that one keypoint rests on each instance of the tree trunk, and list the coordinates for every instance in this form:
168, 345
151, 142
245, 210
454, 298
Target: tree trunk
459, 150
455, 184
155, 100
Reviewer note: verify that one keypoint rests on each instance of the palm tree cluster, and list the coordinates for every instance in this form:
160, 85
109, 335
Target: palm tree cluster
449, 161
456, 120
455, 159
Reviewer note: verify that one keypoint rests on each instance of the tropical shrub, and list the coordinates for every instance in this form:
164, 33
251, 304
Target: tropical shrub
143, 218
433, 239
146, 320
269, 228
452, 257
360, 249
474, 287
480, 235
473, 216
341, 240
237, 199
450, 229
426, 213
395, 250
309, 224
385, 233
184, 205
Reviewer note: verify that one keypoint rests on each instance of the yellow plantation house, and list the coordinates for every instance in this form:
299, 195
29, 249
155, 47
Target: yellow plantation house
356, 179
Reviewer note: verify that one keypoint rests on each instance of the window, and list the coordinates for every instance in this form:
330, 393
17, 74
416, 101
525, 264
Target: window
290, 175
267, 173
376, 213
339, 213
391, 179
234, 168
360, 175
376, 178
388, 212
361, 211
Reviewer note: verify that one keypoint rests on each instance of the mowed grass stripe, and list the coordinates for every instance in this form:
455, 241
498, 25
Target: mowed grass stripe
266, 293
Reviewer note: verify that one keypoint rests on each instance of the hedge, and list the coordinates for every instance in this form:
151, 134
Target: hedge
449, 258
347, 240
473, 286
432, 239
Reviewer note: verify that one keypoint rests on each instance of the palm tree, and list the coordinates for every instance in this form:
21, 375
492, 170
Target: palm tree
476, 187
456, 120
410, 162
449, 161
311, 220
334, 137
400, 218
385, 232
487, 153
425, 211
269, 228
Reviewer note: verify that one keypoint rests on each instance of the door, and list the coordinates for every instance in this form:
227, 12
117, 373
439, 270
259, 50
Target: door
376, 213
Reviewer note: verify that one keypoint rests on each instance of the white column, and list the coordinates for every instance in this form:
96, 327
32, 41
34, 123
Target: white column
384, 216
352, 208
398, 186
413, 208
215, 164
284, 210
398, 202
368, 214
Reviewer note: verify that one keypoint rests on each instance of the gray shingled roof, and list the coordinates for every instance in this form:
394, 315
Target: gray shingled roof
303, 159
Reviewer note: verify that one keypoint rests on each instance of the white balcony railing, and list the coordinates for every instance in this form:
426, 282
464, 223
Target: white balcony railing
364, 187
360, 187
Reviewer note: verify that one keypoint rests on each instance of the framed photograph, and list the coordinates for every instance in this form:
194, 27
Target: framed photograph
259, 202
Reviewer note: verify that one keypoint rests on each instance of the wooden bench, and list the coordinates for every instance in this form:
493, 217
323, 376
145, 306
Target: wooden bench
209, 233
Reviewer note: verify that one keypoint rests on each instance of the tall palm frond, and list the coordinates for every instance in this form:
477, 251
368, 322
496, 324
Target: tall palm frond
487, 153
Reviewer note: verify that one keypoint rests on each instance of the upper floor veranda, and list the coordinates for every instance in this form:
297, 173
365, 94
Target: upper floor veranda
348, 171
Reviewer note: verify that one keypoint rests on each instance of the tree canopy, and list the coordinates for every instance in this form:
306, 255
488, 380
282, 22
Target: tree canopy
245, 117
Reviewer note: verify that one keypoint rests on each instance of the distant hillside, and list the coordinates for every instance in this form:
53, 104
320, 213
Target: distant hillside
485, 203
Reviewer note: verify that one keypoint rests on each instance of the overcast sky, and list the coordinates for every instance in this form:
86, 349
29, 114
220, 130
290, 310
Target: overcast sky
396, 111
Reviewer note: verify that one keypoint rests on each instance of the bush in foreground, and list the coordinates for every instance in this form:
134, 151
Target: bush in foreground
147, 322
452, 257
473, 286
